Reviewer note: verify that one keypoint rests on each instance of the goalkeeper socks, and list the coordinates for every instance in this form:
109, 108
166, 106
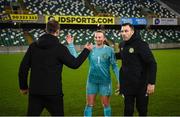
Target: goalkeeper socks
107, 111
88, 111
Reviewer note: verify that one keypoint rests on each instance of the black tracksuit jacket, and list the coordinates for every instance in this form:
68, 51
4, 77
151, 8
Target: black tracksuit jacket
45, 58
138, 66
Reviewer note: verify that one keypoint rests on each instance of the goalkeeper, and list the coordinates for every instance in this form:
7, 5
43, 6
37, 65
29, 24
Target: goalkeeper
99, 80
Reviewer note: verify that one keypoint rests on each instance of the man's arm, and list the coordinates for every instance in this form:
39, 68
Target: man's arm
23, 70
149, 60
69, 60
118, 54
116, 71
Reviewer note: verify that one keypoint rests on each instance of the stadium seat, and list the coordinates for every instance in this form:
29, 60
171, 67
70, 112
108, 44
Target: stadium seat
61, 7
12, 37
132, 8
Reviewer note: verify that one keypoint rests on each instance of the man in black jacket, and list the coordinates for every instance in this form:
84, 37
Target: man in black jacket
45, 59
138, 71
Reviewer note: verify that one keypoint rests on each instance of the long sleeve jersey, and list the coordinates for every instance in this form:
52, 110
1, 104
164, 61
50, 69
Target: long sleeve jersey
100, 60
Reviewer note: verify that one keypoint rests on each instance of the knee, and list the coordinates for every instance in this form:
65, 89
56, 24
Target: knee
106, 105
90, 103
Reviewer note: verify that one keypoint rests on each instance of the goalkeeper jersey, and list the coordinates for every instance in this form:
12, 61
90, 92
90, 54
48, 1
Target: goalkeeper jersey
100, 60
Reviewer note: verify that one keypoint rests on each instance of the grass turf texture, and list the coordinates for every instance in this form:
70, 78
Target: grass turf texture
165, 101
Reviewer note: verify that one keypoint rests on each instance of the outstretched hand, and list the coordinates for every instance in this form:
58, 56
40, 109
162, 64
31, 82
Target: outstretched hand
69, 39
89, 46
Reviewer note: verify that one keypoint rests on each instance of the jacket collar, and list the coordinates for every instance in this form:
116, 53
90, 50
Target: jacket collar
47, 41
136, 36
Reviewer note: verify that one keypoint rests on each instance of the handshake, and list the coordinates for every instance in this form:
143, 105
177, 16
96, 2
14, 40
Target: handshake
70, 39
89, 46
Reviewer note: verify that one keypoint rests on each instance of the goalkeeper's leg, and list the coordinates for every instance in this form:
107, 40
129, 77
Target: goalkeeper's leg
90, 103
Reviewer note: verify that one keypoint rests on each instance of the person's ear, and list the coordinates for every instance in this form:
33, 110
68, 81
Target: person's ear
132, 32
57, 32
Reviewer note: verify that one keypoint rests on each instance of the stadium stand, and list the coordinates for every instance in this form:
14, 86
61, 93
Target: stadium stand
3, 5
82, 36
174, 4
161, 36
132, 8
12, 37
119, 8
122, 8
61, 7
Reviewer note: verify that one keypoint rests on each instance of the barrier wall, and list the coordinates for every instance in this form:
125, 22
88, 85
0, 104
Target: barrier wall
20, 49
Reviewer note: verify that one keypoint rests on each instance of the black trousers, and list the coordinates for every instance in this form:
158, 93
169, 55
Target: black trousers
54, 105
141, 101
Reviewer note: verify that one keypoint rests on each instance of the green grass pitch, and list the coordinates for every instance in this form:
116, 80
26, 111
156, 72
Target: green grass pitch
165, 101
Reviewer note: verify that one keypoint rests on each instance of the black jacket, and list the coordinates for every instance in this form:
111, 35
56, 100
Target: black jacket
45, 59
138, 65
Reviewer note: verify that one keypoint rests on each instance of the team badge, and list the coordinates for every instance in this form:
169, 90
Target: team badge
131, 50
104, 56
